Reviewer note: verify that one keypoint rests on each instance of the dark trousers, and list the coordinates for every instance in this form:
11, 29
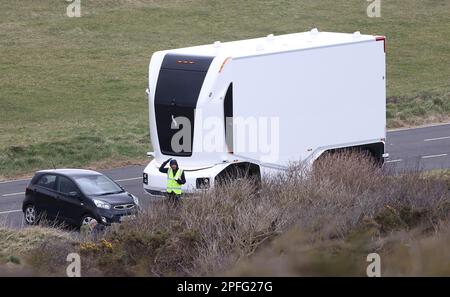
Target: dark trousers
173, 199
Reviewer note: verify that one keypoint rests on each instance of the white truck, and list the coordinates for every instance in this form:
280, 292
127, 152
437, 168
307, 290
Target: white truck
259, 104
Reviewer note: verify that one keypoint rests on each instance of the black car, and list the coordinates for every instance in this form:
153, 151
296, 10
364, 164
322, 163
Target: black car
75, 197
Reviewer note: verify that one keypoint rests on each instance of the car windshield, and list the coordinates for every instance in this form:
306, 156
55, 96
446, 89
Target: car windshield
97, 185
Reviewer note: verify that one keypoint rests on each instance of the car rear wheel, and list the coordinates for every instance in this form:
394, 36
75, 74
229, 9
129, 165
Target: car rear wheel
30, 215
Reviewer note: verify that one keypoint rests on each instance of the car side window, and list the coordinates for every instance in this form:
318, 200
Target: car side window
47, 181
66, 186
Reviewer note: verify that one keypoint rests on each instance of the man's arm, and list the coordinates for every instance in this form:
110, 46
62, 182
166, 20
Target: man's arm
182, 179
162, 169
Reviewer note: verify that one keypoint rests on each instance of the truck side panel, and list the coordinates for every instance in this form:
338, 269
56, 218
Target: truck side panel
323, 98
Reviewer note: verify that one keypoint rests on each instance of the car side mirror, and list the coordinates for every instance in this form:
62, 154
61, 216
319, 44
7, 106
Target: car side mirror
74, 194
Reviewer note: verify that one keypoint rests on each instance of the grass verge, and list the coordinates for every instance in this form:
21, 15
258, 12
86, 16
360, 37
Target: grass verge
72, 89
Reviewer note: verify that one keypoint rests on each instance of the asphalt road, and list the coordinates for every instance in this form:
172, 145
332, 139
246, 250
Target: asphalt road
424, 148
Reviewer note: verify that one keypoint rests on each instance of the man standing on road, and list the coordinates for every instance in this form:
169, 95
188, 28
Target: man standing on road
175, 179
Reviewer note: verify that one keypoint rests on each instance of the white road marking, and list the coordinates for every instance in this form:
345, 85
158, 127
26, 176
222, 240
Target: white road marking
394, 161
418, 127
10, 211
438, 138
13, 194
27, 179
433, 156
14, 180
128, 179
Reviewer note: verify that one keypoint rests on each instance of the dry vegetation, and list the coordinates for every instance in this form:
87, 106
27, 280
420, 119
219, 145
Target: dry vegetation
323, 222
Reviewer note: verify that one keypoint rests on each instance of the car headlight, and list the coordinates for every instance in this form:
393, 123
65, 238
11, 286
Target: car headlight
135, 199
102, 204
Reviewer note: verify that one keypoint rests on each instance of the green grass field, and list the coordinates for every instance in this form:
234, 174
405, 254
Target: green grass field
72, 89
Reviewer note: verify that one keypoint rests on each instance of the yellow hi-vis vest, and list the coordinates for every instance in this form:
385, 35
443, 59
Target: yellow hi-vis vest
172, 185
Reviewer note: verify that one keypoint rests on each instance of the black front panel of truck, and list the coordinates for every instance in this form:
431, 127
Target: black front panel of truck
179, 83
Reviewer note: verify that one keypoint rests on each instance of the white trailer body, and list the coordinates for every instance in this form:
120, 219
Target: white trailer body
290, 98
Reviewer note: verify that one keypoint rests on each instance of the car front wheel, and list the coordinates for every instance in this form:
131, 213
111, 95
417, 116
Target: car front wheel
30, 215
86, 220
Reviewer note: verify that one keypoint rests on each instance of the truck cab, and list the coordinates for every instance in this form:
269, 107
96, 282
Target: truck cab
254, 106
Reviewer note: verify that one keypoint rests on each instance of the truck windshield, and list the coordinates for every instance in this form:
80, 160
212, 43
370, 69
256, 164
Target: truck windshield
179, 87
179, 83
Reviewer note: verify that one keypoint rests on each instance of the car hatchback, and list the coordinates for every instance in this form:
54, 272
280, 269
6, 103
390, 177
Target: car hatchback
75, 197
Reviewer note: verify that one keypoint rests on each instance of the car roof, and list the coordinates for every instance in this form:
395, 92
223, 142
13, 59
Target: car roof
70, 171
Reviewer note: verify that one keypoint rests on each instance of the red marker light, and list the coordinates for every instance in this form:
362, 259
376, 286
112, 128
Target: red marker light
381, 38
